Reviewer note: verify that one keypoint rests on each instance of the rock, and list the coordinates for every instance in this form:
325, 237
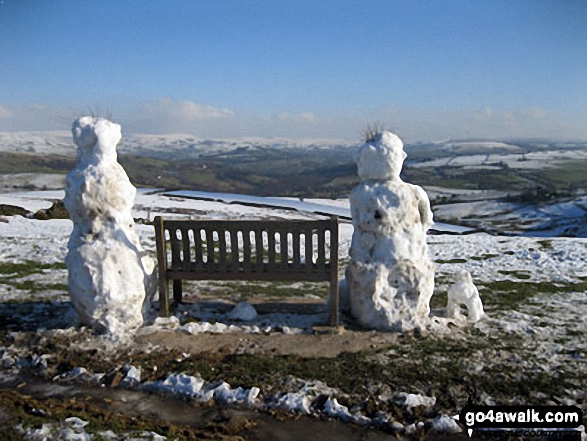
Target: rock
243, 311
445, 424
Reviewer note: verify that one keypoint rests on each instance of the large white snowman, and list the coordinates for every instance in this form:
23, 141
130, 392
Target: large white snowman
390, 277
109, 276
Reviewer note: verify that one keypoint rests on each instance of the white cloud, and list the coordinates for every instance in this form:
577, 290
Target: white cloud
37, 117
165, 115
298, 117
167, 108
420, 124
4, 112
534, 112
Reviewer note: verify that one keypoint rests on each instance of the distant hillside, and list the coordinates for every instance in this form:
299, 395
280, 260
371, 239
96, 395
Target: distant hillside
310, 168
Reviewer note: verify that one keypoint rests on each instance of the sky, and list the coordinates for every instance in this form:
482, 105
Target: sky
428, 70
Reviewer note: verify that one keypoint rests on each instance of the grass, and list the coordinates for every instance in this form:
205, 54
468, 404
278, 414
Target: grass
565, 174
509, 294
17, 270
451, 261
10, 273
521, 275
446, 368
12, 210
485, 257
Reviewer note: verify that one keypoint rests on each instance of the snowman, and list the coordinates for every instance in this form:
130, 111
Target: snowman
390, 277
109, 276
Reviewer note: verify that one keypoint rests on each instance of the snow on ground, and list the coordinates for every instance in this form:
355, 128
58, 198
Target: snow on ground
527, 161
46, 241
547, 324
546, 220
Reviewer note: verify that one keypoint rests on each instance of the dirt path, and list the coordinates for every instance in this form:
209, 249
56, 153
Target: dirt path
307, 346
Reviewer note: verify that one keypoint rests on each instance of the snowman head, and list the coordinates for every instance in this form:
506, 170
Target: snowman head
381, 158
96, 139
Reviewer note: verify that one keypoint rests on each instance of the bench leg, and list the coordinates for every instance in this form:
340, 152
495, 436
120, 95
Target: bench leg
163, 298
334, 304
177, 291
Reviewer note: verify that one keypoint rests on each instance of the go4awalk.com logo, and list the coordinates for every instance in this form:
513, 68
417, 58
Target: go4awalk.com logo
553, 422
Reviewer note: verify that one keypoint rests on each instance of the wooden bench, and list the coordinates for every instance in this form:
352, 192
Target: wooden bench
247, 250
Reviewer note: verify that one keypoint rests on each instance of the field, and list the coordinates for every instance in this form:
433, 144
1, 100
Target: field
528, 350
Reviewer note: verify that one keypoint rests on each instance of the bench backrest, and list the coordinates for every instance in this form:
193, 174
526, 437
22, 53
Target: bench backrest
246, 250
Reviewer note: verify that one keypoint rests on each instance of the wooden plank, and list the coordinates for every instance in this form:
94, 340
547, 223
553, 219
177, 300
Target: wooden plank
210, 246
198, 247
185, 238
334, 294
259, 248
234, 247
321, 263
175, 260
222, 249
247, 250
284, 248
162, 266
271, 248
229, 225
263, 275
296, 250
309, 233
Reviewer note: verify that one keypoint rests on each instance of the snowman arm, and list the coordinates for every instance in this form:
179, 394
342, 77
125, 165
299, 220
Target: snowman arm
426, 215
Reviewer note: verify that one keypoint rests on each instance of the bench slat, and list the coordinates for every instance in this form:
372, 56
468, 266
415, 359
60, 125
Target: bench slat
247, 251
264, 275
271, 249
296, 250
185, 237
175, 260
284, 248
259, 250
235, 250
210, 246
222, 250
309, 237
198, 246
321, 250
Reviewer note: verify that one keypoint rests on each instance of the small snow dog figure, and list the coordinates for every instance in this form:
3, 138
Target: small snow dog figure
464, 292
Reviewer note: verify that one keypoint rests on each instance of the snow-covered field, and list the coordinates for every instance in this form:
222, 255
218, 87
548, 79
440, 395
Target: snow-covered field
533, 289
59, 143
525, 161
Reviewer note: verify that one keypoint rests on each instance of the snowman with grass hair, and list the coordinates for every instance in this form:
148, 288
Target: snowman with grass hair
390, 277
110, 278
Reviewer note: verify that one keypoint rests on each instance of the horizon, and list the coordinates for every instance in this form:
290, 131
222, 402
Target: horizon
460, 70
301, 140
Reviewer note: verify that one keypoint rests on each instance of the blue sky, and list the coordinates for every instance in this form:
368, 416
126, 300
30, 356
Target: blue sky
429, 70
